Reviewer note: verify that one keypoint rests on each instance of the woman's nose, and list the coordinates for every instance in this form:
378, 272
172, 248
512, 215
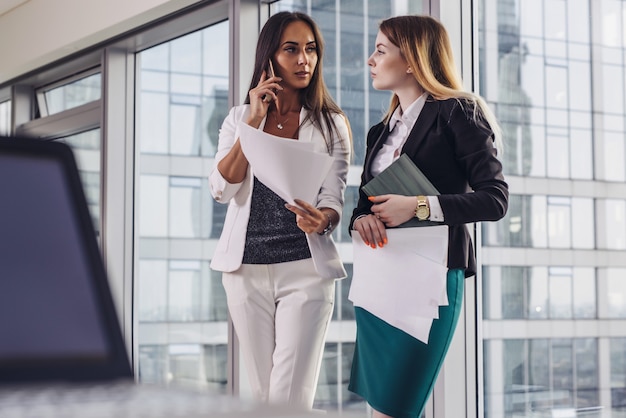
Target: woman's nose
302, 58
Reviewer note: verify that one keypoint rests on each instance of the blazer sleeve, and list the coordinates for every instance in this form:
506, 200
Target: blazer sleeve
475, 154
221, 190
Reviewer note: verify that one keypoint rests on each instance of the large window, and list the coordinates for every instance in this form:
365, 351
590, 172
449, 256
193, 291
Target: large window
552, 290
181, 305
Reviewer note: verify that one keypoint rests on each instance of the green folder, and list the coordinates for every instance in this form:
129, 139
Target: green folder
404, 178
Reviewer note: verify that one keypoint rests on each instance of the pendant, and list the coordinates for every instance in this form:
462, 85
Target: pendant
280, 126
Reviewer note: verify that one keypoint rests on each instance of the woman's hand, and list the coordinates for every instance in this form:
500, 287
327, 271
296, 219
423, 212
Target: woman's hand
393, 209
388, 210
309, 218
260, 98
372, 230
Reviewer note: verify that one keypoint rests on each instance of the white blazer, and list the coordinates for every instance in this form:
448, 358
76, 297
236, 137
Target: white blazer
229, 251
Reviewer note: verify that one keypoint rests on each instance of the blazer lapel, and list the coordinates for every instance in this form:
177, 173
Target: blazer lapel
305, 132
422, 125
378, 144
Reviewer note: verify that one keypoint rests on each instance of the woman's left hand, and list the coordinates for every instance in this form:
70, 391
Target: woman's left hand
393, 209
308, 218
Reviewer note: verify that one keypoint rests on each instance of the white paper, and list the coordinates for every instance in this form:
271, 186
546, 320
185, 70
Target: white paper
404, 282
290, 168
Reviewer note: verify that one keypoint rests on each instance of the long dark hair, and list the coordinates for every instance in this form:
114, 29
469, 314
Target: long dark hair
315, 97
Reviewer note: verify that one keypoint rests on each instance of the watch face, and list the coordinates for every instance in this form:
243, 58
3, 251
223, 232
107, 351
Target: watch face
423, 212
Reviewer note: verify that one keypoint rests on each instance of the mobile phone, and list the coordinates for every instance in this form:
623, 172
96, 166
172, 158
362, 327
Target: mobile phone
269, 73
270, 69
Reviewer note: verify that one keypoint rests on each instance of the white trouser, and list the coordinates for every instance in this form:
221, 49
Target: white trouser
281, 314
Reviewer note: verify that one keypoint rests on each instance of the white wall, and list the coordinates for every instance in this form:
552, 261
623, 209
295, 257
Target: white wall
38, 32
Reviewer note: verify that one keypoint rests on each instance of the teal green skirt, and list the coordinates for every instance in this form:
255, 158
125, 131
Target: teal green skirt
394, 372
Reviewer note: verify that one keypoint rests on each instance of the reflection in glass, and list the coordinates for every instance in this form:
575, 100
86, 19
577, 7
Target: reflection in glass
73, 94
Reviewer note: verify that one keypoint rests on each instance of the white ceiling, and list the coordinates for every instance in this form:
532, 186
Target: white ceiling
6, 5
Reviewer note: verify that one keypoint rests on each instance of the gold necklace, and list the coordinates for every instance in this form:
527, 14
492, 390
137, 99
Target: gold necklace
280, 125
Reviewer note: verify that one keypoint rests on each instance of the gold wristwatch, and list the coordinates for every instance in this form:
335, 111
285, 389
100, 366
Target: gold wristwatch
422, 210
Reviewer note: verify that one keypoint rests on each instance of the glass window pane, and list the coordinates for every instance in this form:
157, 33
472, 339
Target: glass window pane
584, 293
572, 127
183, 329
72, 94
614, 156
153, 210
583, 229
87, 151
153, 122
558, 156
538, 293
152, 299
581, 153
559, 222
560, 293
618, 374
539, 221
616, 292
613, 97
5, 117
614, 224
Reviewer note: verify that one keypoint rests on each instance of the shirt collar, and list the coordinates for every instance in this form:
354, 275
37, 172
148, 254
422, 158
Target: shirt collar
409, 116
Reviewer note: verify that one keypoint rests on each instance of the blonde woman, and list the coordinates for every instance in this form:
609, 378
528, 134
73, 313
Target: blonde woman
452, 136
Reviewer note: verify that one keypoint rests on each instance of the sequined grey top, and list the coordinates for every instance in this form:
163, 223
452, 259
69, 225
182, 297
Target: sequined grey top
272, 236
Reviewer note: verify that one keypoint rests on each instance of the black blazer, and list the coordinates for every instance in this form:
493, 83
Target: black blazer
459, 158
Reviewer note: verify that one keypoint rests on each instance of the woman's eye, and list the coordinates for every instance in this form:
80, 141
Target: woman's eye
379, 52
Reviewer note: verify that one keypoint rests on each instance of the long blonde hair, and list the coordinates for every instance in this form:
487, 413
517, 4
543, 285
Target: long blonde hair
425, 44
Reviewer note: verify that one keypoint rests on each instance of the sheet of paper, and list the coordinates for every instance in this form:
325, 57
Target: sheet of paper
404, 282
290, 168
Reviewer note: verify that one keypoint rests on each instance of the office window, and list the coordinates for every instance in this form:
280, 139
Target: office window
69, 93
616, 291
87, 151
182, 100
618, 375
542, 85
184, 94
542, 377
547, 67
613, 223
5, 117
544, 222
538, 293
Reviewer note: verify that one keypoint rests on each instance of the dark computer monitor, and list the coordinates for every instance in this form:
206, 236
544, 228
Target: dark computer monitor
57, 317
